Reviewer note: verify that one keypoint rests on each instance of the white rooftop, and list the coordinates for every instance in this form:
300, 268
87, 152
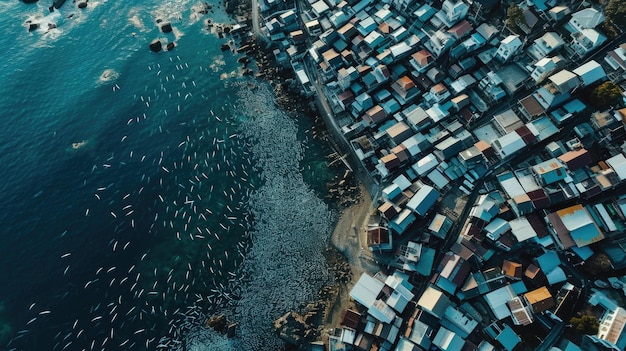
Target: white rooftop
366, 290
618, 163
521, 228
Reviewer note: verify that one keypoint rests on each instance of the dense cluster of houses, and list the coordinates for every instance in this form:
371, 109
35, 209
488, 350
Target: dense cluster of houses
435, 99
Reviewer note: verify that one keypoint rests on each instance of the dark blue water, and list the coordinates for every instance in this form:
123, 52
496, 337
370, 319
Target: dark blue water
124, 174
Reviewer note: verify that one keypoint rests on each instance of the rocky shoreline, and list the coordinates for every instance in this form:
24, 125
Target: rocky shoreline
301, 328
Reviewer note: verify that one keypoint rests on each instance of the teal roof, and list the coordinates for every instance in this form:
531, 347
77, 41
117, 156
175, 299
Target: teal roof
548, 261
425, 265
508, 338
574, 106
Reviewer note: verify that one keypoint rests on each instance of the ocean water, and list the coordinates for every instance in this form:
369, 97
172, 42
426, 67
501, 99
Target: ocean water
139, 190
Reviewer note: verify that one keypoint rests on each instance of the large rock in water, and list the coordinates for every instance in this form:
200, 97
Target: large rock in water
82, 4
166, 27
58, 3
156, 45
29, 1
170, 46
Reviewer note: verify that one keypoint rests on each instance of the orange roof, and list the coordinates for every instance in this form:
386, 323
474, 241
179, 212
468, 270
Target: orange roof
423, 57
540, 299
406, 83
439, 88
384, 28
512, 269
532, 271
569, 210
482, 145
571, 155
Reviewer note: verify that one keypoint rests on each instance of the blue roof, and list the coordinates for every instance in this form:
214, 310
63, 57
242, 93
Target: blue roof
519, 287
382, 94
583, 252
574, 106
425, 264
446, 285
402, 221
548, 261
425, 12
479, 39
545, 127
508, 338
423, 200
391, 106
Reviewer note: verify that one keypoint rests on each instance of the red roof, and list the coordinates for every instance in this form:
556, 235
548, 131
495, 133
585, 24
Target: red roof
460, 29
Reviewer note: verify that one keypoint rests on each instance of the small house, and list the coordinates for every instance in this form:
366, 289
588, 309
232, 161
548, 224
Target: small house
423, 200
509, 46
590, 72
545, 45
588, 18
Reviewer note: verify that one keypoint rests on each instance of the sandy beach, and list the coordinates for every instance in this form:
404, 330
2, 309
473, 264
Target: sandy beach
349, 237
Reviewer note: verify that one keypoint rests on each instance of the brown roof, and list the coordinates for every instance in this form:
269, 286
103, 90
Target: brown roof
348, 30
391, 161
384, 28
540, 299
466, 114
539, 198
347, 54
576, 159
377, 236
346, 96
561, 231
532, 106
375, 114
406, 83
423, 57
526, 135
462, 251
512, 269
532, 271
538, 224
439, 88
388, 210
364, 69
402, 152
351, 319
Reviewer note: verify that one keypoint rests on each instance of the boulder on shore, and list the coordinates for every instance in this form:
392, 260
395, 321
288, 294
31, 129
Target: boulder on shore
156, 45
218, 323
166, 27
293, 329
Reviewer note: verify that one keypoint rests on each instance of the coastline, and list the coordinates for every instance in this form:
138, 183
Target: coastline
349, 237
346, 251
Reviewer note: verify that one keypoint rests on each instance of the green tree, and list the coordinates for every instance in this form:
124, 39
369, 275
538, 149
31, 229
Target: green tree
616, 12
514, 16
585, 324
605, 94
